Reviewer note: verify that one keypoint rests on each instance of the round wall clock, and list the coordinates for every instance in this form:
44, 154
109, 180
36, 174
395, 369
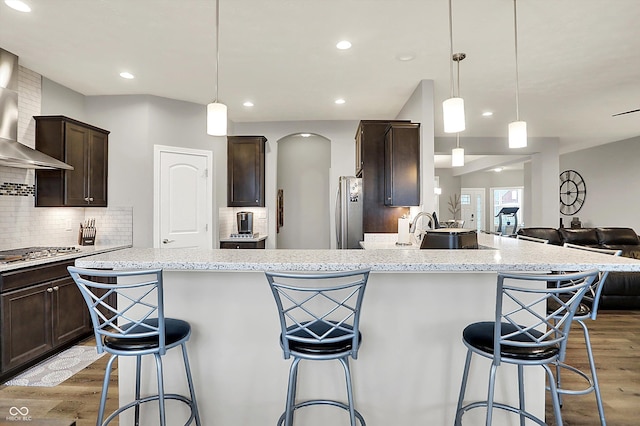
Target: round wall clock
573, 192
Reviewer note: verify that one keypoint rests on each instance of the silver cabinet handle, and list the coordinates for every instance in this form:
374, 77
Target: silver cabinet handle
88, 199
56, 288
165, 241
49, 290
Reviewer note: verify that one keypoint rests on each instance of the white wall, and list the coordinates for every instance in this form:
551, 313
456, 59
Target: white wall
60, 100
612, 175
136, 124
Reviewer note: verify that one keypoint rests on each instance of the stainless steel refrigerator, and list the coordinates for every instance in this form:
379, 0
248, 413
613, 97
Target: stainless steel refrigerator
349, 213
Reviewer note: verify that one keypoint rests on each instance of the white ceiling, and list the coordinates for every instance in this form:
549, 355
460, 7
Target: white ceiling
578, 59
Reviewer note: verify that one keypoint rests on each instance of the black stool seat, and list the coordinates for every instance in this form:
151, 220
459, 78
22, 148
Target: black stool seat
175, 331
583, 310
331, 343
480, 336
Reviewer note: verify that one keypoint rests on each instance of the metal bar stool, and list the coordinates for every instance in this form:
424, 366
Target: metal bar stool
588, 309
138, 327
319, 320
525, 334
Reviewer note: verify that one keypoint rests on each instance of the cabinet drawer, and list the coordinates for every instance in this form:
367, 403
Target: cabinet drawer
19, 278
243, 245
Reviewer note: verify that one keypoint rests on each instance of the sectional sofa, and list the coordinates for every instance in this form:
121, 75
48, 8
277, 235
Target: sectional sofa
622, 289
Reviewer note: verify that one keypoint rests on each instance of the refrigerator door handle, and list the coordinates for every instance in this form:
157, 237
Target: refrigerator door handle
338, 216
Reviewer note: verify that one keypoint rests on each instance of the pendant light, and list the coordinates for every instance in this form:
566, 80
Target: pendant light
457, 154
217, 112
517, 129
453, 108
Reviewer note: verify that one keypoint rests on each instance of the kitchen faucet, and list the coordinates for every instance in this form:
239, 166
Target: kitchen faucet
414, 222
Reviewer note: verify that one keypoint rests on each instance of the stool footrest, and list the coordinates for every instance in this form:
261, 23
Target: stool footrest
580, 373
501, 406
150, 398
323, 402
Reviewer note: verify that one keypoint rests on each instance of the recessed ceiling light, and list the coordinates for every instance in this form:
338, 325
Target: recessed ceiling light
498, 169
405, 57
340, 101
127, 75
248, 104
305, 135
487, 114
18, 5
343, 45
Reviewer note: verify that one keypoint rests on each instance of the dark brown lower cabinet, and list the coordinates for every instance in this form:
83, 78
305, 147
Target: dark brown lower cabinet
42, 312
242, 244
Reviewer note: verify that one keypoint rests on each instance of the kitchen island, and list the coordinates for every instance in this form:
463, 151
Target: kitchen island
409, 367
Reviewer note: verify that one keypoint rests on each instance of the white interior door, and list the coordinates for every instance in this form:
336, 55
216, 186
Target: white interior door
472, 208
183, 198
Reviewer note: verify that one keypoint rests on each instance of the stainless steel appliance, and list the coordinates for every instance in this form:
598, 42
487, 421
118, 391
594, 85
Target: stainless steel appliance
33, 253
12, 152
349, 213
245, 222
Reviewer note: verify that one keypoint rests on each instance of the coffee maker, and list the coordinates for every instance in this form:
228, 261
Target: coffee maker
245, 222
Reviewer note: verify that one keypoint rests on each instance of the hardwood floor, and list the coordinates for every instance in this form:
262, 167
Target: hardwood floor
76, 398
615, 339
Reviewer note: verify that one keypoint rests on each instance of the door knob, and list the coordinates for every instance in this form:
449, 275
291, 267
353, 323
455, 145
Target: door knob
165, 241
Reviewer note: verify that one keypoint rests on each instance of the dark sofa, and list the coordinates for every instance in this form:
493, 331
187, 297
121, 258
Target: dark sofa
622, 289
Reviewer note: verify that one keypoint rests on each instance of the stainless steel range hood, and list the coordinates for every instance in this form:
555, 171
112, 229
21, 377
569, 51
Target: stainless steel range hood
12, 152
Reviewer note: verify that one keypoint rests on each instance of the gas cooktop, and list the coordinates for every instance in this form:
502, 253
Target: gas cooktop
33, 253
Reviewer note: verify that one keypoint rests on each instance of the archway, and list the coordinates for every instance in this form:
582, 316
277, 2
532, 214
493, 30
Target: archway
304, 161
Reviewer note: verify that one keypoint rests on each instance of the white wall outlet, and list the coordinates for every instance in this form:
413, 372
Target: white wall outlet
67, 225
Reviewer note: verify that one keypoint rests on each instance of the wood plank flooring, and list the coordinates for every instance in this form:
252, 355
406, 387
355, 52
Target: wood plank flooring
615, 339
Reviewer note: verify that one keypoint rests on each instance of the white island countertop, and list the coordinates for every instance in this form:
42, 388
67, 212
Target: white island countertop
498, 254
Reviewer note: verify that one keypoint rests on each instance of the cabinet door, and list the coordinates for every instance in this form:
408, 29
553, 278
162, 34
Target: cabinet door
402, 165
69, 310
97, 169
26, 325
245, 171
76, 155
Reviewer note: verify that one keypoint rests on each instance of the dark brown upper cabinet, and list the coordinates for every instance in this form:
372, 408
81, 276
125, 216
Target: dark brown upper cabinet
83, 146
402, 165
376, 217
245, 171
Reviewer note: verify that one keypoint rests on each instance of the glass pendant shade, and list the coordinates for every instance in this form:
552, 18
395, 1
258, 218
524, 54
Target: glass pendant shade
457, 157
453, 115
518, 134
216, 119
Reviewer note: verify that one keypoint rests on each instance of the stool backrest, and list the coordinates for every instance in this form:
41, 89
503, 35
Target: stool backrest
524, 307
331, 300
140, 299
593, 294
533, 239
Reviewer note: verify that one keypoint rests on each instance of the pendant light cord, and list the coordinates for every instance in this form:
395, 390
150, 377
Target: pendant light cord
515, 27
451, 49
217, 48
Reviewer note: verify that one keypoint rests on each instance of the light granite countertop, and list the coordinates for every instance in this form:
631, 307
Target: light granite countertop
502, 254
83, 251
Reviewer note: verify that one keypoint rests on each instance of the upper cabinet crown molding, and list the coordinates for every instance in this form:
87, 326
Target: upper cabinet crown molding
81, 145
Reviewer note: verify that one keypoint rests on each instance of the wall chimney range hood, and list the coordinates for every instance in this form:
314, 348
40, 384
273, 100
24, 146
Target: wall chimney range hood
12, 152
